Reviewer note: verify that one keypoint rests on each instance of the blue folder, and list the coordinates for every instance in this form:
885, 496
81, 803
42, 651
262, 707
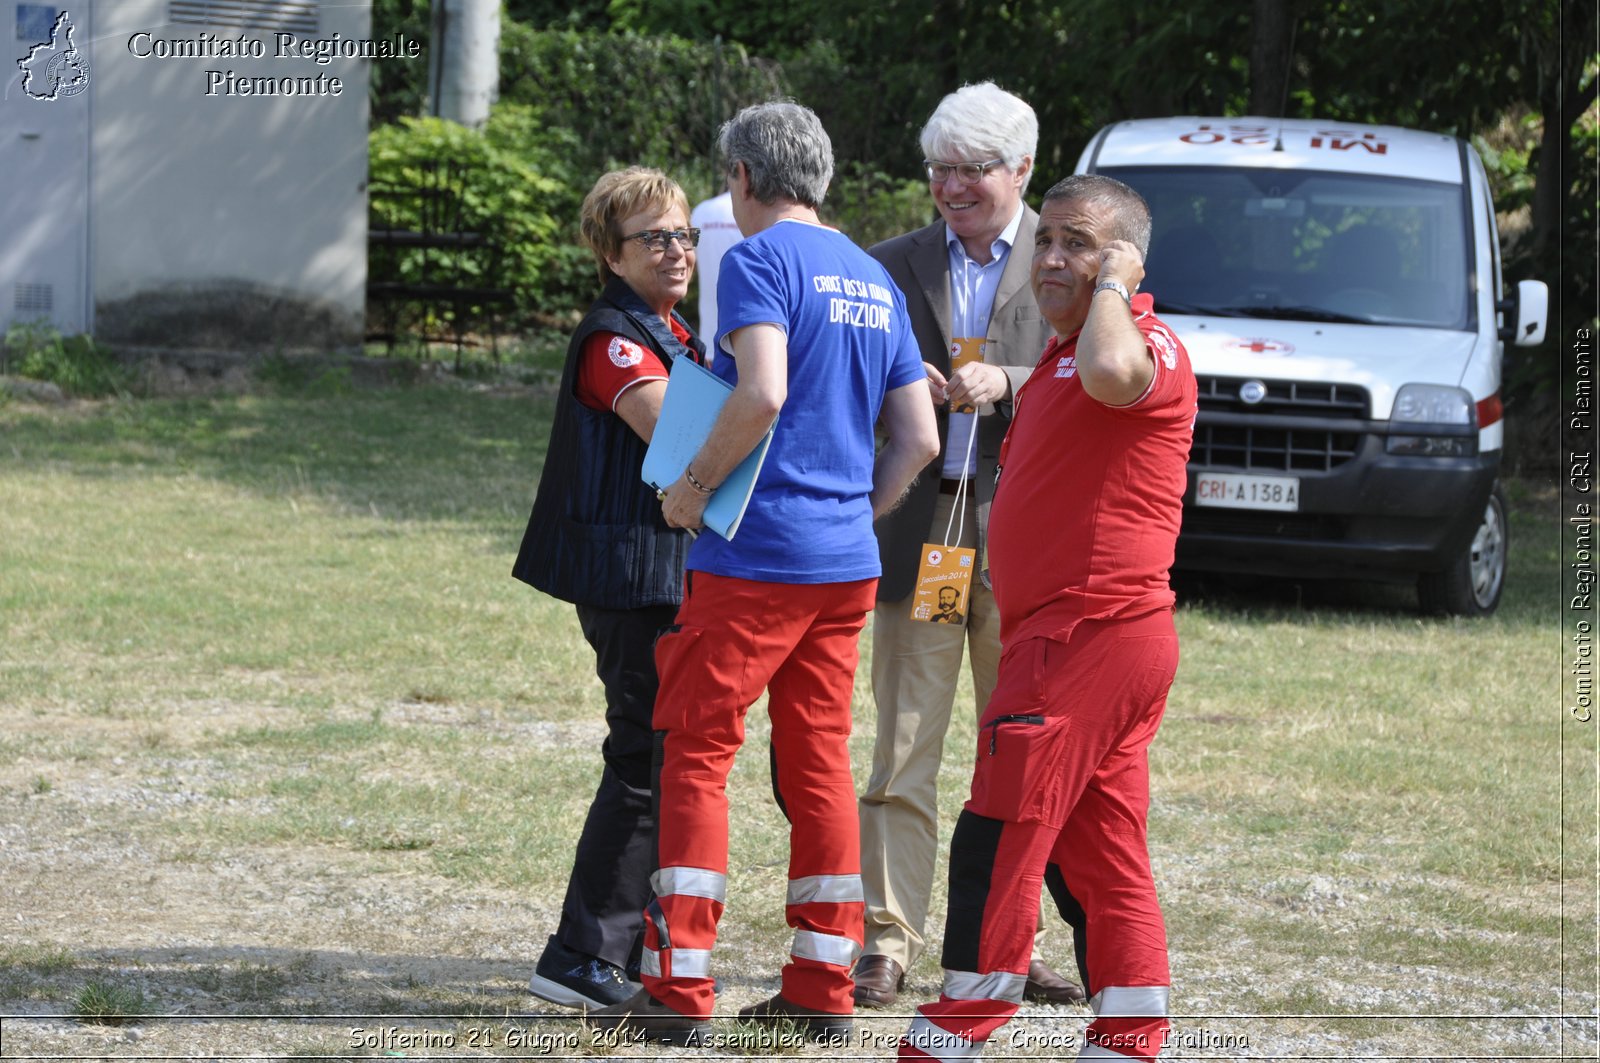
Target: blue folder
694, 399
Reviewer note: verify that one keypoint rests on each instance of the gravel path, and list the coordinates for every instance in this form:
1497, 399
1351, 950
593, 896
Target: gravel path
251, 952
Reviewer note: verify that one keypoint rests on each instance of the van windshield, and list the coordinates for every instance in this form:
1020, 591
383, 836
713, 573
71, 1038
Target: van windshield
1306, 245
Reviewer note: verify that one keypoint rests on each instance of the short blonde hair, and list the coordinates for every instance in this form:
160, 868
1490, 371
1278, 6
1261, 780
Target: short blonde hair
621, 194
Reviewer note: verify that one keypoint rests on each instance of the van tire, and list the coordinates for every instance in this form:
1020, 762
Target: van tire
1471, 586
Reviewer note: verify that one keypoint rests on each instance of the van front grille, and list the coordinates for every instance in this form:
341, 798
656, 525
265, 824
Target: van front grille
1273, 434
1271, 450
1299, 398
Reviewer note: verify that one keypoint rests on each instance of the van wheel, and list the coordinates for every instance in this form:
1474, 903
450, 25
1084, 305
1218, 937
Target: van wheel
1472, 584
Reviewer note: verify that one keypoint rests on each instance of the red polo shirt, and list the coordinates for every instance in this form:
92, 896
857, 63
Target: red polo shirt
1090, 497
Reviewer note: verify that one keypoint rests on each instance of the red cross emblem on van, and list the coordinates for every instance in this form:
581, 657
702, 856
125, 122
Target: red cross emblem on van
1256, 346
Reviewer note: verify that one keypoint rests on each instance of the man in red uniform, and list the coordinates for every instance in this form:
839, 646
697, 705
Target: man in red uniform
1085, 520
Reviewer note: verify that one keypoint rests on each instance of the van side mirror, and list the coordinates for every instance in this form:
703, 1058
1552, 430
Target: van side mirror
1524, 314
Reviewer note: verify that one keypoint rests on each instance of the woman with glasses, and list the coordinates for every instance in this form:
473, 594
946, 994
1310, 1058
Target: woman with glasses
596, 538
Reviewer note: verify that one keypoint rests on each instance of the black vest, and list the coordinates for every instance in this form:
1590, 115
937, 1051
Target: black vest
596, 536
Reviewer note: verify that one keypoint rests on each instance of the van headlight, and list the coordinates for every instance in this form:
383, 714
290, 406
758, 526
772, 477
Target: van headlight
1430, 408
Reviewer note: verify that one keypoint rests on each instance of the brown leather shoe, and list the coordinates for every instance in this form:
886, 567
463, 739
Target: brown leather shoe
643, 1017
1046, 987
879, 981
775, 1012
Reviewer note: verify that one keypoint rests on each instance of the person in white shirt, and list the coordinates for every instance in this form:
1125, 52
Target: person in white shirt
718, 232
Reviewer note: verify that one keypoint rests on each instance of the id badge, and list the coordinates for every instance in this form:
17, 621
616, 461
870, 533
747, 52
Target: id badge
965, 350
944, 581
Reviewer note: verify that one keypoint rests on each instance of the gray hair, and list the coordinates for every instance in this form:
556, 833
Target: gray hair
977, 123
784, 149
1130, 214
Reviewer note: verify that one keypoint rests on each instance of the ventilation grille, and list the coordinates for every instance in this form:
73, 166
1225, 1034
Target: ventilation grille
32, 301
288, 16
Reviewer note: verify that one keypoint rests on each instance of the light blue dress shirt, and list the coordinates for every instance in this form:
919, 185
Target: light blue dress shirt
972, 288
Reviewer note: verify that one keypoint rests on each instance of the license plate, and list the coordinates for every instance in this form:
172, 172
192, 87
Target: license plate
1234, 491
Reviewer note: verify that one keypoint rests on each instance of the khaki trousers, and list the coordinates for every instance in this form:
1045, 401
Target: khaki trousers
915, 668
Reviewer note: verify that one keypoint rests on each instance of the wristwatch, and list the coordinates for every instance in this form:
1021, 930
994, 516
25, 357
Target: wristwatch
1113, 286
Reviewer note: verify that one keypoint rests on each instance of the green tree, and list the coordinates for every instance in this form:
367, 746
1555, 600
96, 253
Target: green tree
631, 99
399, 88
650, 80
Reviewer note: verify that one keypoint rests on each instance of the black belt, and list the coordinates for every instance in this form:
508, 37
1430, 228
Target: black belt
950, 487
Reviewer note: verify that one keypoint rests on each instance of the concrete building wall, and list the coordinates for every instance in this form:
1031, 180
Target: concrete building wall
221, 220
44, 168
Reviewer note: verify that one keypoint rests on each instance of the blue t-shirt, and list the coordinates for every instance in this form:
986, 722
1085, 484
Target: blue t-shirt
850, 342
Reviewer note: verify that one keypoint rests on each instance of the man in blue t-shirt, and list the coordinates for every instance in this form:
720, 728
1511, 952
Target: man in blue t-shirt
817, 337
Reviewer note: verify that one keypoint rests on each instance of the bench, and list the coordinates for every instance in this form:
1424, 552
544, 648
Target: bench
428, 265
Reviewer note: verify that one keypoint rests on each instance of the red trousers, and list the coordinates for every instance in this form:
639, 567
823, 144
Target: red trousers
733, 639
1062, 781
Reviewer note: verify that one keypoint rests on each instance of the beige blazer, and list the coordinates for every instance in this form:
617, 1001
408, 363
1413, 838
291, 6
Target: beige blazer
919, 262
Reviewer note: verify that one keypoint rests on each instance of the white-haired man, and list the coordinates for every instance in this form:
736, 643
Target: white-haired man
967, 294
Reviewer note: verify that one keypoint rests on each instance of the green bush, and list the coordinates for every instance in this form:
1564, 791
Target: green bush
606, 100
72, 363
633, 100
869, 205
516, 191
575, 103
567, 281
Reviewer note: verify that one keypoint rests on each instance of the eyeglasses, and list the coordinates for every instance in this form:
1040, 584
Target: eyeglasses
969, 172
658, 239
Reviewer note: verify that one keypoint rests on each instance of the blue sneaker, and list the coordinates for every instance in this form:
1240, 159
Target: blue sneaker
575, 980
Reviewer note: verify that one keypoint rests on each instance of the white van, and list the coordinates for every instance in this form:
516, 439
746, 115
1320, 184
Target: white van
1338, 289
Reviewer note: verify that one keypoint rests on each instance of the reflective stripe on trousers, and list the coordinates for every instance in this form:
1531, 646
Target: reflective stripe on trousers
690, 882
824, 948
999, 985
1116, 1000
826, 889
685, 963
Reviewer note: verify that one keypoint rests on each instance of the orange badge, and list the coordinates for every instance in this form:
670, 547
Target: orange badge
943, 582
965, 349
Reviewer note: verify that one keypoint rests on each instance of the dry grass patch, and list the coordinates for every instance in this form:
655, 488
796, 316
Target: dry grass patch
279, 735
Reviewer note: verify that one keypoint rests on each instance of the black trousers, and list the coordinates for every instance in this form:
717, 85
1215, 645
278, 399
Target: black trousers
603, 913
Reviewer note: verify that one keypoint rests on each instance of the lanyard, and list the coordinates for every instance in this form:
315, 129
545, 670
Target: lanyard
961, 490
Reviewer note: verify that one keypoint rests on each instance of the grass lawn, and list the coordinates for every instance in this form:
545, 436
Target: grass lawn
276, 724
